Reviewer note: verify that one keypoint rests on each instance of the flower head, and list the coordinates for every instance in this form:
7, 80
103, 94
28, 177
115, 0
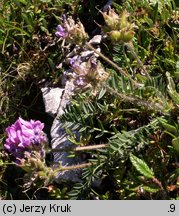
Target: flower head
24, 136
87, 74
71, 31
118, 28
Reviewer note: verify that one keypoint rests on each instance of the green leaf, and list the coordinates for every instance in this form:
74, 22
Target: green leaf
148, 21
44, 29
155, 12
51, 63
175, 96
20, 1
99, 135
102, 93
141, 166
45, 1
176, 74
23, 2
100, 125
175, 143
151, 189
167, 126
171, 84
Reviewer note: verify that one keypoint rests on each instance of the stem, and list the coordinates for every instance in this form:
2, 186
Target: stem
132, 51
79, 148
155, 180
135, 100
113, 64
74, 167
128, 64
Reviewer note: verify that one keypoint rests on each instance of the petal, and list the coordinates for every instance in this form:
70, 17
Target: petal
27, 132
16, 140
32, 122
61, 34
19, 135
38, 125
60, 28
27, 141
6, 146
21, 145
25, 123
12, 132
8, 130
58, 34
17, 125
13, 140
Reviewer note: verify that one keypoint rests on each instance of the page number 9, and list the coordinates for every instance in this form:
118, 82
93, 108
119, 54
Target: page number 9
172, 208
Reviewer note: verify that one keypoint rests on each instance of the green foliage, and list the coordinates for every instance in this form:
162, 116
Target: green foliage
28, 49
138, 121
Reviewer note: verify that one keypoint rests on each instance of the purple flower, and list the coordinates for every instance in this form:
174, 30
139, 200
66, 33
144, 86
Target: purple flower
74, 62
80, 81
24, 136
61, 32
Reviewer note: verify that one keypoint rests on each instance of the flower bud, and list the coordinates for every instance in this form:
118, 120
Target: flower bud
127, 36
123, 23
115, 35
118, 28
78, 34
111, 19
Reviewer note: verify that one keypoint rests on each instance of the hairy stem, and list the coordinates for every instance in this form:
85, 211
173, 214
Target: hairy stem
73, 167
132, 51
80, 148
135, 100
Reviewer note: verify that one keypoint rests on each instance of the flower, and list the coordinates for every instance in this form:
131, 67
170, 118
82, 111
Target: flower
24, 136
87, 74
61, 32
80, 81
70, 31
75, 61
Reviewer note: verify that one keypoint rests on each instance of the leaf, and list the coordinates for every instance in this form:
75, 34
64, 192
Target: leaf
176, 74
175, 143
167, 126
100, 125
51, 63
175, 96
141, 166
102, 93
45, 1
151, 189
155, 12
148, 21
99, 135
20, 1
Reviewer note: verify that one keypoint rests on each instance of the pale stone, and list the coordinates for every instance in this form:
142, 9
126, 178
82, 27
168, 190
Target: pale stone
52, 99
60, 140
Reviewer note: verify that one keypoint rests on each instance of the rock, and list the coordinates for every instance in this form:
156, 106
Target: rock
59, 138
54, 106
52, 99
96, 40
60, 141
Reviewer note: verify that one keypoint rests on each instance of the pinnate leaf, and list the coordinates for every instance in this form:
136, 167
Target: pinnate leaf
141, 166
